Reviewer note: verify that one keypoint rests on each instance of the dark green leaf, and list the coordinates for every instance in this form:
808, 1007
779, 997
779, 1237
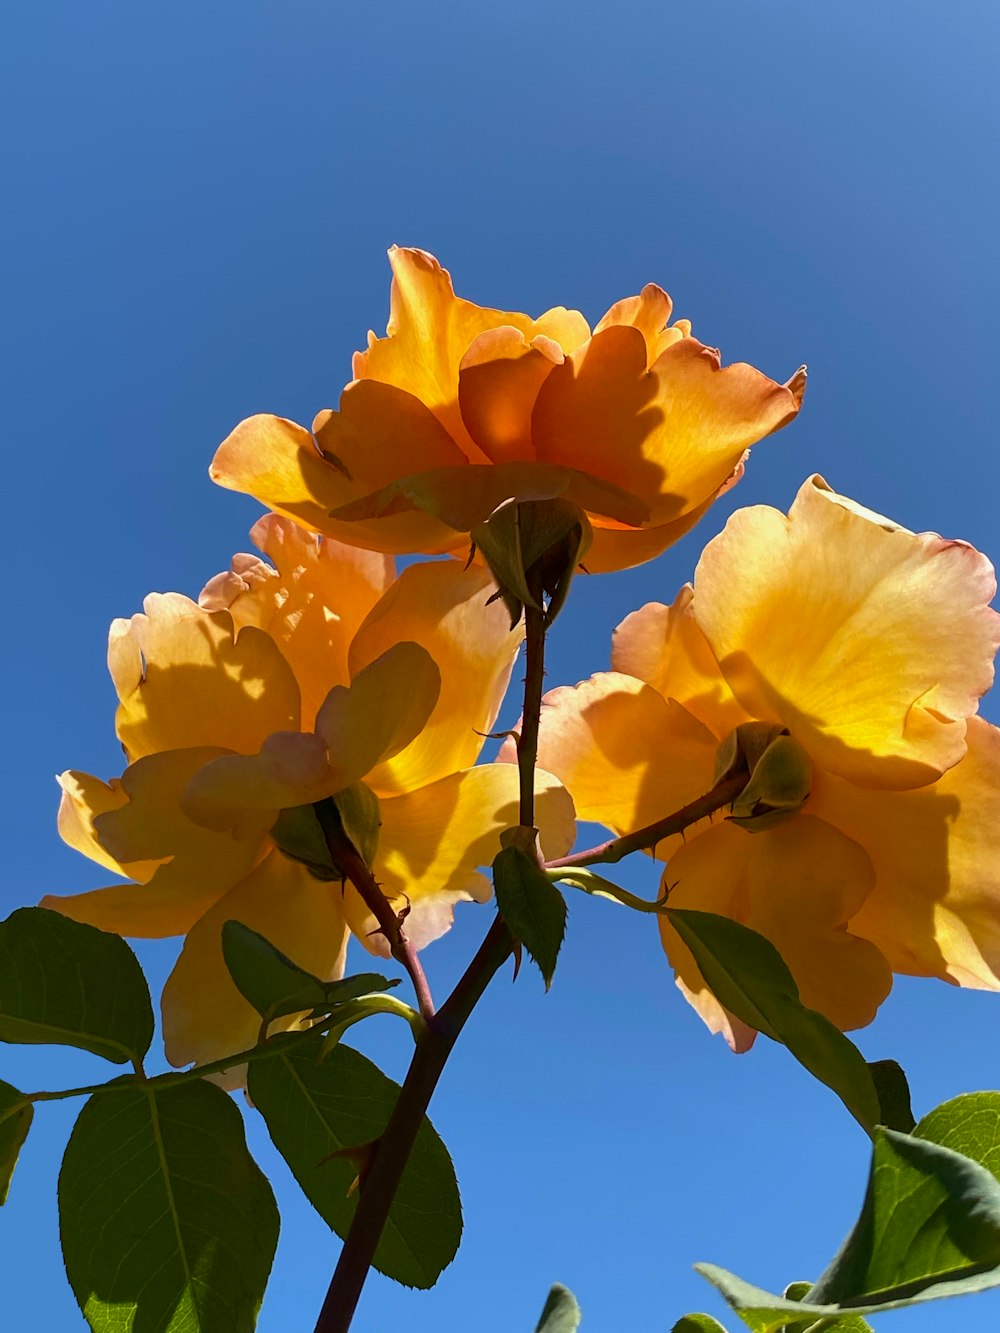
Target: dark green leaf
929, 1228
276, 986
697, 1323
969, 1124
893, 1095
272, 983
315, 1108
350, 988
532, 907
561, 1314
167, 1224
748, 975
68, 984
15, 1121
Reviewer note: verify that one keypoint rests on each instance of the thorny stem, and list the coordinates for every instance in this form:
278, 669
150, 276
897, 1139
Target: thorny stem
352, 863
644, 839
442, 1031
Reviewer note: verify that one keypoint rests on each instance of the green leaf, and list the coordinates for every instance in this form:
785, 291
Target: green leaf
276, 986
532, 907
582, 878
68, 984
697, 1323
893, 1092
15, 1121
748, 975
561, 1313
167, 1224
929, 1228
272, 983
969, 1124
316, 1107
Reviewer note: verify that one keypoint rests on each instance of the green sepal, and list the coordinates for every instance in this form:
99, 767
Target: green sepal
561, 1312
15, 1120
531, 906
317, 1105
298, 831
749, 977
546, 537
69, 984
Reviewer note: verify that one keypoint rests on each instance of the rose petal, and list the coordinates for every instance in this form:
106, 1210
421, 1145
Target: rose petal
185, 679
204, 1016
444, 609
626, 755
871, 643
935, 908
798, 884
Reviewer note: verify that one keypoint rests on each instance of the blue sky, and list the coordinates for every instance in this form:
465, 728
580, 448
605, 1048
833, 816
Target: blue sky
198, 203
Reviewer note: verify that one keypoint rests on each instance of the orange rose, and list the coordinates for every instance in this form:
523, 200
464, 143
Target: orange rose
461, 408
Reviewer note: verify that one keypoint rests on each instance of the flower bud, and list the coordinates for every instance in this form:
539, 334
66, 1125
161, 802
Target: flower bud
778, 771
533, 543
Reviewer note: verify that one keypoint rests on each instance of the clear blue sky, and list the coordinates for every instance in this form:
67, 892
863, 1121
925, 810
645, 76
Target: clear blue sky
198, 199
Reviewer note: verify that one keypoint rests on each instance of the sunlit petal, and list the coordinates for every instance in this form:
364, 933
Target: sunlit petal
204, 1016
872, 643
798, 884
444, 609
186, 679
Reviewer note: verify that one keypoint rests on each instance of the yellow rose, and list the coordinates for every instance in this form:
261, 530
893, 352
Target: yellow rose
284, 685
460, 408
870, 646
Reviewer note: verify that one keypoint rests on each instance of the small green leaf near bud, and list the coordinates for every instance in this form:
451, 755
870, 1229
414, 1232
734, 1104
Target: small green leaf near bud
531, 906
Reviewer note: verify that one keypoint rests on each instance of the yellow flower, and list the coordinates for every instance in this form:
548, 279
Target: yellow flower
871, 646
284, 685
460, 408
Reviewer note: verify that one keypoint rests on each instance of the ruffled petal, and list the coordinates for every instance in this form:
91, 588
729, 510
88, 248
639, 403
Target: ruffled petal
389, 702
444, 609
430, 330
186, 679
671, 434
84, 797
498, 382
935, 908
664, 646
242, 793
648, 312
311, 603
192, 869
871, 643
280, 464
204, 1016
626, 755
798, 884
434, 839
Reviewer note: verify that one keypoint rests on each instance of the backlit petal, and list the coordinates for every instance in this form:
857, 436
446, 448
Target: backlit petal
434, 840
185, 679
430, 330
242, 793
498, 382
311, 603
278, 463
204, 1016
626, 755
871, 643
444, 609
388, 703
798, 884
671, 434
648, 312
664, 646
84, 798
194, 867
935, 908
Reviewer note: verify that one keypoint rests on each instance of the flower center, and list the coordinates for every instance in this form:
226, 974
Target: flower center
777, 770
